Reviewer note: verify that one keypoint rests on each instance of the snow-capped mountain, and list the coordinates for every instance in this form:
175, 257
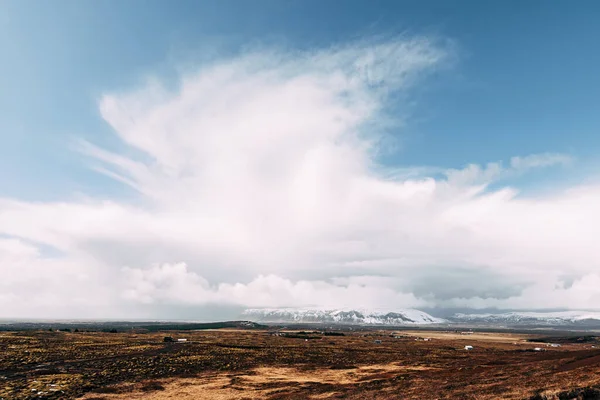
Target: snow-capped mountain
562, 318
341, 316
573, 319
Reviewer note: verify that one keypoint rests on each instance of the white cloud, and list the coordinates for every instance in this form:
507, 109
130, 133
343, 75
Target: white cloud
474, 174
539, 160
259, 185
43, 286
173, 283
546, 292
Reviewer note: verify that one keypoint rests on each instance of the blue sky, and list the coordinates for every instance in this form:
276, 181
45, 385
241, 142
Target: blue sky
524, 80
167, 156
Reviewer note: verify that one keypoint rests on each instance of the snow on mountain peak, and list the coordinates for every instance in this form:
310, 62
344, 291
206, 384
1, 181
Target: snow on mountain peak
527, 317
342, 316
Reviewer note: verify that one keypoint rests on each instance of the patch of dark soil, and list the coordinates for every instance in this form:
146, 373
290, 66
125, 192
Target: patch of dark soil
584, 393
588, 393
151, 387
343, 367
111, 390
566, 339
239, 346
585, 362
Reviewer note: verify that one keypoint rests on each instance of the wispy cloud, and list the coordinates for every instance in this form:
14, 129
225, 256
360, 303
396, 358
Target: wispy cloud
259, 185
539, 160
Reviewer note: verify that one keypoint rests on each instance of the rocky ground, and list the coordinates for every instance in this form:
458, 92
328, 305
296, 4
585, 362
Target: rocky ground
250, 364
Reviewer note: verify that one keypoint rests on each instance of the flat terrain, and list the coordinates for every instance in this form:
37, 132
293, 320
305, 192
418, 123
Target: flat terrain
257, 364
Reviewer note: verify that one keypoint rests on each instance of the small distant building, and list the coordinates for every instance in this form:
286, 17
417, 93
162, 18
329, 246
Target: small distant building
554, 345
181, 340
537, 349
468, 347
378, 342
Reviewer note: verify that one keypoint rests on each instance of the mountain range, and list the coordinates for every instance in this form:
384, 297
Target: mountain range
342, 316
561, 318
353, 316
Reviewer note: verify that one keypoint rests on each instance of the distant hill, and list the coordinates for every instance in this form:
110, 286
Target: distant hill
583, 319
120, 326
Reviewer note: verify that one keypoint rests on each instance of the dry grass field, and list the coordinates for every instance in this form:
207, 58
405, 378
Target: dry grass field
255, 364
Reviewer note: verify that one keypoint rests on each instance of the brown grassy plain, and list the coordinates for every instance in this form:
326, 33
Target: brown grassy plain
237, 364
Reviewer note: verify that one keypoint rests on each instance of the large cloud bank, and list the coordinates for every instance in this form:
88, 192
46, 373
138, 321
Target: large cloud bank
257, 184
